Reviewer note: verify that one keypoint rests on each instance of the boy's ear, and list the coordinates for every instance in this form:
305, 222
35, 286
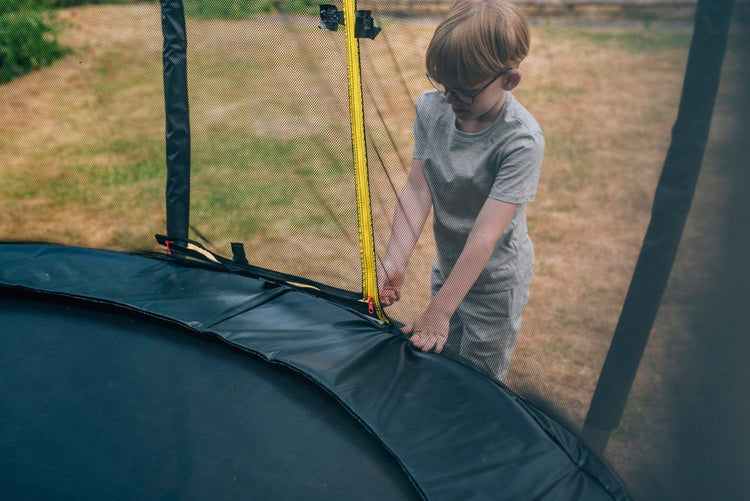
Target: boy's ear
511, 79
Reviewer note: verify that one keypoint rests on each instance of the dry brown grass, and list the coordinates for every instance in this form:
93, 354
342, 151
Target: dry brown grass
606, 107
608, 117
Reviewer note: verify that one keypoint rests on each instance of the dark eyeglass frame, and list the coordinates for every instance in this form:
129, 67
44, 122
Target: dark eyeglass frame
466, 97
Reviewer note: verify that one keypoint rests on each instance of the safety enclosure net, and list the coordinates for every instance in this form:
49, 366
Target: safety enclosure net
267, 120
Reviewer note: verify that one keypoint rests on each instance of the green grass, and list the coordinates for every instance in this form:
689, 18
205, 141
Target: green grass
242, 9
247, 184
133, 165
635, 42
242, 184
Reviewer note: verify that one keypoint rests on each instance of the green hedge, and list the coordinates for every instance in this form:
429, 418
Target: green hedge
28, 38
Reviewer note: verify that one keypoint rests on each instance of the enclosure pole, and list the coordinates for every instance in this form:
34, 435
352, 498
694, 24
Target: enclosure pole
359, 151
174, 57
674, 194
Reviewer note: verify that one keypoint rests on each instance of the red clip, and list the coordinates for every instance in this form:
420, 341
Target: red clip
371, 305
167, 243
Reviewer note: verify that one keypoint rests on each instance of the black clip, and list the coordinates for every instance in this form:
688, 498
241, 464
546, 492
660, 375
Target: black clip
364, 25
238, 253
330, 18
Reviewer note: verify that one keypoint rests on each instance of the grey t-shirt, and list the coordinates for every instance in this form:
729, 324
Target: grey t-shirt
462, 170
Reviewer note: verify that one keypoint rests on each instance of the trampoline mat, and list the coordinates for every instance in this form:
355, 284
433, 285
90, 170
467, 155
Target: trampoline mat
98, 403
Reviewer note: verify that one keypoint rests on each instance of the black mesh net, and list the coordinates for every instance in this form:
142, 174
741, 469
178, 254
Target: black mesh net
82, 160
272, 160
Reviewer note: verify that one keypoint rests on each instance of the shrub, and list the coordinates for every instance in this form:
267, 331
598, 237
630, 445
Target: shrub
28, 40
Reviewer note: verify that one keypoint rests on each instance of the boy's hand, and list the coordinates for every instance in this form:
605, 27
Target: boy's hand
389, 294
429, 331
389, 286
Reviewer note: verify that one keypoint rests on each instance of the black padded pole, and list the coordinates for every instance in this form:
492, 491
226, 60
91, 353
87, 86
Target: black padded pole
177, 120
674, 194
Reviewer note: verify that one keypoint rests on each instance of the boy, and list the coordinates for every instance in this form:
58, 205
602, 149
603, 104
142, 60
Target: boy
476, 162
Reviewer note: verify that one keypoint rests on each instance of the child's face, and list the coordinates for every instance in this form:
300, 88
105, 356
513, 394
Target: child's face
487, 97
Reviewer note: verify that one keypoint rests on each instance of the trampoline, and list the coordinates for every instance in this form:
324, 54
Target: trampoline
133, 376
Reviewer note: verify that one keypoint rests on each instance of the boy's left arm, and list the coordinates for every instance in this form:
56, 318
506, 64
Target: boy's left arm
429, 331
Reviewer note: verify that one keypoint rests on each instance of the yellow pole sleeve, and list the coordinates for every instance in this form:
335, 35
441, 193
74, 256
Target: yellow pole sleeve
359, 149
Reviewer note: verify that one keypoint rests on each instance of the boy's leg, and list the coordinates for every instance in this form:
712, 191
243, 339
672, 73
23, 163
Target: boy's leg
452, 346
490, 325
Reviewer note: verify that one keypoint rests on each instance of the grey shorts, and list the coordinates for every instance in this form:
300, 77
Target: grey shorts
484, 329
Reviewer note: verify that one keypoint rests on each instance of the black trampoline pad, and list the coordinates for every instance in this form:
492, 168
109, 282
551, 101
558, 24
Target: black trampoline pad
144, 384
98, 403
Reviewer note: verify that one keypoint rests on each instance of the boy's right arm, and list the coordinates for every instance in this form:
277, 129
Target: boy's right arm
409, 218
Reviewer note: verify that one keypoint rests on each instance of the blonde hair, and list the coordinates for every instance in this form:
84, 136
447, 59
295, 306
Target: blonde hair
477, 40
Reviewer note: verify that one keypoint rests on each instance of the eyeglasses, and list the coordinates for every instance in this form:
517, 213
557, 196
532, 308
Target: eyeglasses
465, 96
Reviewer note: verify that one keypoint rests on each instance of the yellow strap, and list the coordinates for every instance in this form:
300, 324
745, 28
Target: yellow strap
359, 149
